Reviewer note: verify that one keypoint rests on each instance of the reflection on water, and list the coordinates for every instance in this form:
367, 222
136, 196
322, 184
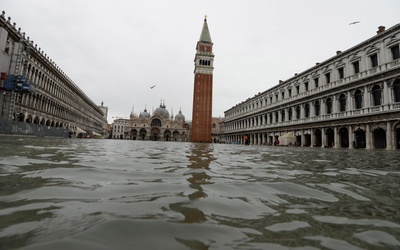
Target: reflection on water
116, 194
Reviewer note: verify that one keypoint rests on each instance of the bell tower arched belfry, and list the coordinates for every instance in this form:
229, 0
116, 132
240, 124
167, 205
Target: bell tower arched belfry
203, 87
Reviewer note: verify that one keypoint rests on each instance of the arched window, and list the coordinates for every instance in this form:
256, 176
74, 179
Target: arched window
377, 95
329, 105
307, 110
298, 112
290, 114
283, 115
342, 102
358, 96
276, 116
396, 88
156, 123
317, 108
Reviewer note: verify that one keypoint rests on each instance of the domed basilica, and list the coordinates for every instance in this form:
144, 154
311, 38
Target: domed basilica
159, 126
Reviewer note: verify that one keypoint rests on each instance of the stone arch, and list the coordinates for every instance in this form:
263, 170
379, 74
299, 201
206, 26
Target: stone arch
330, 137
343, 137
175, 136
142, 134
376, 92
36, 120
359, 136
29, 119
155, 134
318, 137
379, 137
378, 126
167, 135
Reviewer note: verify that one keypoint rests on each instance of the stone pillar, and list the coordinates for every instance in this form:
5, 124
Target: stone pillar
336, 138
323, 107
386, 96
366, 98
351, 137
302, 138
368, 137
323, 135
312, 138
389, 136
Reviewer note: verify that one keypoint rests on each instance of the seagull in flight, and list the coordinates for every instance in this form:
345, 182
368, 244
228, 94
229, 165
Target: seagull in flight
354, 22
152, 87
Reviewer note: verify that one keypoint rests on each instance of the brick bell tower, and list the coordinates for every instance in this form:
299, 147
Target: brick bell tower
203, 87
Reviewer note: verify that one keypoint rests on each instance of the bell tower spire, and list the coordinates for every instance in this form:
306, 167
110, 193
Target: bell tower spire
203, 87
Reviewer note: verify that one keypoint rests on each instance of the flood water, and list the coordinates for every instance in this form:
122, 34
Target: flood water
119, 194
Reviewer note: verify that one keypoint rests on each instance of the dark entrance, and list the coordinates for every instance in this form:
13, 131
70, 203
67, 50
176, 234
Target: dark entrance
307, 140
344, 137
398, 138
330, 137
359, 138
380, 138
318, 138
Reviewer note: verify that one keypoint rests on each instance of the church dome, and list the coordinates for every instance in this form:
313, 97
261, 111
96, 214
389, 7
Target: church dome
161, 112
144, 114
180, 117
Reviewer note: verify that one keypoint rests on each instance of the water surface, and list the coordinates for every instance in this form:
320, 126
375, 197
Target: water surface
119, 194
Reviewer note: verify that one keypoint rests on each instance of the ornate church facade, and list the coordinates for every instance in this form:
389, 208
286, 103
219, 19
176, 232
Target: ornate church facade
351, 100
159, 126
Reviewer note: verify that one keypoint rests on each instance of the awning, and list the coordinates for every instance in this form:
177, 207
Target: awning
80, 131
287, 135
96, 134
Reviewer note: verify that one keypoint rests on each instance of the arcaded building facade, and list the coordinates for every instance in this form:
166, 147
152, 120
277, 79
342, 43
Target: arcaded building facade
158, 126
351, 100
36, 92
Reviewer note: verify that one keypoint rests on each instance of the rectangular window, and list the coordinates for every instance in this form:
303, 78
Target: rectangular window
306, 86
290, 92
374, 60
341, 73
298, 89
270, 100
283, 95
395, 52
276, 97
356, 67
316, 82
328, 77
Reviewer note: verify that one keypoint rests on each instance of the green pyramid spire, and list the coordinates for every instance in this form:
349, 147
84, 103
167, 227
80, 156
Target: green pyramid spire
205, 33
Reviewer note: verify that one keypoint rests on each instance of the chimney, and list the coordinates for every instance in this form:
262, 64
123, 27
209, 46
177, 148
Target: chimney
381, 29
338, 52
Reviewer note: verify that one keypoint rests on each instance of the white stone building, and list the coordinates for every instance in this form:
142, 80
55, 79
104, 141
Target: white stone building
351, 100
159, 126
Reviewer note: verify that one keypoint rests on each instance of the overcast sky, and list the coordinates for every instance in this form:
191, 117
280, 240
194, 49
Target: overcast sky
115, 50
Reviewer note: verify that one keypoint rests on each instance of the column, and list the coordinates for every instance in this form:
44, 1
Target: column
386, 96
336, 138
368, 138
351, 137
323, 135
389, 136
349, 107
302, 138
366, 98
312, 138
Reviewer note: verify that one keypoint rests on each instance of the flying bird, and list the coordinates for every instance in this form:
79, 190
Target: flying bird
152, 87
354, 22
